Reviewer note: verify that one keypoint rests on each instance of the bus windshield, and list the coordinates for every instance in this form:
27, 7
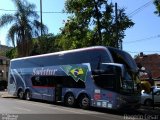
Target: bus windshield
123, 57
130, 80
108, 76
128, 85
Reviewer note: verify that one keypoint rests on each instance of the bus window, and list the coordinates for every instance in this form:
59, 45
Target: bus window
105, 77
51, 81
105, 81
39, 81
68, 81
97, 57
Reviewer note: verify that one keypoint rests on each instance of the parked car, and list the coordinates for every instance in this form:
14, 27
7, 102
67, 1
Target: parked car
156, 88
147, 99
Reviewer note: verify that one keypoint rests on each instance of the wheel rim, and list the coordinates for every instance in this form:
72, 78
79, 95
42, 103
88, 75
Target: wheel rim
85, 102
28, 95
20, 95
148, 103
70, 100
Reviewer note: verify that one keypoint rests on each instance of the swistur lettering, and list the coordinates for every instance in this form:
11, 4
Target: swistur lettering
44, 71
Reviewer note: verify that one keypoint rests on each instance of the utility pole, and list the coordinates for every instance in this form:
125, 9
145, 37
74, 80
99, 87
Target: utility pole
98, 23
116, 21
41, 15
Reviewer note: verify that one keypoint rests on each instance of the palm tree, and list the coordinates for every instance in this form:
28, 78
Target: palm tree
24, 26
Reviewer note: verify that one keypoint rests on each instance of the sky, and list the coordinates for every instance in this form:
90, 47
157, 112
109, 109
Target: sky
144, 36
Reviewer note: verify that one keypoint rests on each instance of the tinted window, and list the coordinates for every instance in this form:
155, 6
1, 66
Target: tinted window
39, 81
123, 58
87, 56
51, 81
106, 77
68, 81
94, 57
97, 57
105, 81
157, 93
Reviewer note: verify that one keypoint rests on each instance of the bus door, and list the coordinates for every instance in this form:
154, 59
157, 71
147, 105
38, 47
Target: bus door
58, 93
50, 95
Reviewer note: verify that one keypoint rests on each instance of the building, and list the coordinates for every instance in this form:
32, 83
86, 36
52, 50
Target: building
4, 64
151, 63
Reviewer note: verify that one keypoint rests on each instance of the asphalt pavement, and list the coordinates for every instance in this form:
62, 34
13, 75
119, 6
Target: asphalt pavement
145, 111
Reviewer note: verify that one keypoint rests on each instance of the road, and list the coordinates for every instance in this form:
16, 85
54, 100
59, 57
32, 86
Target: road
47, 111
15, 109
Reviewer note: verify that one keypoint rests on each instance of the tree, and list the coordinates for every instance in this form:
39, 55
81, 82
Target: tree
24, 26
157, 4
75, 35
45, 44
11, 53
92, 22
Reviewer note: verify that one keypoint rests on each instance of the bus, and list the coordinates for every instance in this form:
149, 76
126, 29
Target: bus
97, 76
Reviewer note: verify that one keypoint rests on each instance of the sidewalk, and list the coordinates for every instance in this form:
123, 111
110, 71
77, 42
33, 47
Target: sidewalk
4, 94
150, 110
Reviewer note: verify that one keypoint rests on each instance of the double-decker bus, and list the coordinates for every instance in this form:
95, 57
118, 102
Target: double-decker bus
97, 76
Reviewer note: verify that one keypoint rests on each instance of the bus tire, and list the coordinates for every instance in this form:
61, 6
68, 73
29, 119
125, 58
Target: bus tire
84, 101
69, 100
148, 102
20, 94
28, 95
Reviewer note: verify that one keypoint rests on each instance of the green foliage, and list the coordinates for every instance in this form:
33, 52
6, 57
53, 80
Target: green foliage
157, 5
12, 53
92, 23
45, 44
74, 35
24, 26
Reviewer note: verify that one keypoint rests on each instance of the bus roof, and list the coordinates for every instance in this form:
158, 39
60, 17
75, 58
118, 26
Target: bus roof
61, 52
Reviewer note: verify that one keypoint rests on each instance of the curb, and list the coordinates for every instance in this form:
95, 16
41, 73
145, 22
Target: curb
4, 94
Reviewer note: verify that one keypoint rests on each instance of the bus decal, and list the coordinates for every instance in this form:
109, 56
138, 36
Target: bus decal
44, 71
18, 74
76, 72
12, 83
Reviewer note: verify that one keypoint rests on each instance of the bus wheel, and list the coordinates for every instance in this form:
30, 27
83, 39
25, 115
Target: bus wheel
28, 95
20, 94
69, 100
84, 102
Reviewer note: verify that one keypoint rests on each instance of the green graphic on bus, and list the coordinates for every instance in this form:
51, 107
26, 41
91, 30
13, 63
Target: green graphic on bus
76, 72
